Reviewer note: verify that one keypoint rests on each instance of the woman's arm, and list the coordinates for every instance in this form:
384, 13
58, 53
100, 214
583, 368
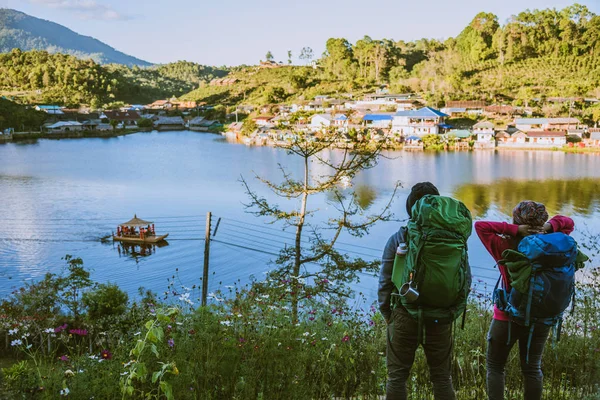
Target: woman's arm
560, 223
489, 234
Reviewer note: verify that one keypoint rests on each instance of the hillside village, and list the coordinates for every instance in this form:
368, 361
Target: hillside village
398, 120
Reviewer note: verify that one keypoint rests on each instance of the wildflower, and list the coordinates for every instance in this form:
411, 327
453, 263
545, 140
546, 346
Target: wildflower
123, 373
64, 358
137, 334
60, 328
371, 322
346, 339
69, 373
242, 340
306, 334
324, 338
64, 392
226, 323
127, 364
13, 331
185, 297
48, 330
171, 343
373, 371
78, 332
106, 355
311, 318
16, 342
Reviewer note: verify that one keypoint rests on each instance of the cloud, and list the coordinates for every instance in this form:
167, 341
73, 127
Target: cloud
85, 9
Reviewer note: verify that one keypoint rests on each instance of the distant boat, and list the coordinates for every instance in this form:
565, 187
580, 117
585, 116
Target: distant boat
138, 231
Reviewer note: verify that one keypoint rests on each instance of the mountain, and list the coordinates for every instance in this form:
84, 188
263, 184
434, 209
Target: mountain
19, 30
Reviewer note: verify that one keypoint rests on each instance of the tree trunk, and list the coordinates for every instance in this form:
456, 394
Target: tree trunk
298, 244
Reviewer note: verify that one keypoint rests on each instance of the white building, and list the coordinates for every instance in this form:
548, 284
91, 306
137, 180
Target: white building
382, 121
484, 131
421, 122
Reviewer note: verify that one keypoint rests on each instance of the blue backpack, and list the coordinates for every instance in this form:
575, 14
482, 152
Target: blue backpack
543, 275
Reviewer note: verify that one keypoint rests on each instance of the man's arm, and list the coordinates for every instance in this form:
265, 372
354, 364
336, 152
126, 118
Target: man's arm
386, 286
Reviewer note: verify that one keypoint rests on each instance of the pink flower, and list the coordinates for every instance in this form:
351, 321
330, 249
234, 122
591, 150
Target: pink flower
79, 332
346, 339
171, 343
60, 328
64, 358
106, 355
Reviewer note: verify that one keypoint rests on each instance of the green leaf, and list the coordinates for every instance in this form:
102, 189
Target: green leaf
148, 324
155, 376
166, 388
154, 350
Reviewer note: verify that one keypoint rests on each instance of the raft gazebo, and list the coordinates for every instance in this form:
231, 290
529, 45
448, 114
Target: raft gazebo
138, 231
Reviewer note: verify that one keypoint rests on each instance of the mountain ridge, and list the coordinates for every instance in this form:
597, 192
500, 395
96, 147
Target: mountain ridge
20, 30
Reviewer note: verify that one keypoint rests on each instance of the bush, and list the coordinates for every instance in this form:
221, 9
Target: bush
145, 123
107, 300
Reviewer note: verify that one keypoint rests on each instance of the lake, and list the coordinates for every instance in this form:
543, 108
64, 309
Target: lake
61, 197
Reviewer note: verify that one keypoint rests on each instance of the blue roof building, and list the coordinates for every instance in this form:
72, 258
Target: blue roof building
421, 122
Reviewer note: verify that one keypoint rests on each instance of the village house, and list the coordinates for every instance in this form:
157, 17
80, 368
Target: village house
169, 124
201, 124
594, 140
484, 131
464, 106
64, 126
263, 120
547, 124
320, 121
50, 109
499, 110
160, 105
421, 122
96, 125
547, 138
382, 120
125, 119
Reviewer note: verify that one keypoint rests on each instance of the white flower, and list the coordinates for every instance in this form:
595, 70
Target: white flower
16, 342
69, 373
226, 323
64, 392
306, 334
373, 372
127, 364
137, 334
124, 373
185, 297
278, 344
100, 360
13, 331
179, 323
29, 346
239, 315
324, 338
26, 334
49, 330
93, 357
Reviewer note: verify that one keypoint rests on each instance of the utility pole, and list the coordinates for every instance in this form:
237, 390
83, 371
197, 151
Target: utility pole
206, 258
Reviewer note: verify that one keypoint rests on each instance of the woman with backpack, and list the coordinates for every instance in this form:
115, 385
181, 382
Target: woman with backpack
529, 218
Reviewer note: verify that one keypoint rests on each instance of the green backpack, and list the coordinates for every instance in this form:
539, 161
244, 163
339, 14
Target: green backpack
437, 263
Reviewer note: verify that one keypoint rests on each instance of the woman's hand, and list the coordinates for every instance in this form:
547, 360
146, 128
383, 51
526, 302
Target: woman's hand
548, 228
526, 230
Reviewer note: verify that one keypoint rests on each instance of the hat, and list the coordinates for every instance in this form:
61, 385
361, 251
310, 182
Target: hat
530, 213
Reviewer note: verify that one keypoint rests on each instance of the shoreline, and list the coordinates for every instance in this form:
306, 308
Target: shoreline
24, 136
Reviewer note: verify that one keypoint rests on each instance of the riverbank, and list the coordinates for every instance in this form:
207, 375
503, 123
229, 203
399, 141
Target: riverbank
20, 136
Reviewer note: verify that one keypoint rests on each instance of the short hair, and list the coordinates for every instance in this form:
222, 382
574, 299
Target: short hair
417, 192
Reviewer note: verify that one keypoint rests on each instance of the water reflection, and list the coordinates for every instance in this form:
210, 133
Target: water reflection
137, 251
581, 196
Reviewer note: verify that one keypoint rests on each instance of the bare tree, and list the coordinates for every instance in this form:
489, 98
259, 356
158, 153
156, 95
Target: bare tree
313, 267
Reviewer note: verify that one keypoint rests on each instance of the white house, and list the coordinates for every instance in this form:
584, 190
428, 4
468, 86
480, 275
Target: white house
421, 122
546, 124
484, 131
319, 121
547, 139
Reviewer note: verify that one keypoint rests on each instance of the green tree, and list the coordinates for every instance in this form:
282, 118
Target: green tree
306, 54
269, 56
289, 54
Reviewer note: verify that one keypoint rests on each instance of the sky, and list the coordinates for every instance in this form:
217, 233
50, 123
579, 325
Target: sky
234, 32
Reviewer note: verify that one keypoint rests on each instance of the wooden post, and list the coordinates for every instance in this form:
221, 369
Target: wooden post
206, 257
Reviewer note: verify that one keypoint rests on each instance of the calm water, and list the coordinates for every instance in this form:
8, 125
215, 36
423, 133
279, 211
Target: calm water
61, 197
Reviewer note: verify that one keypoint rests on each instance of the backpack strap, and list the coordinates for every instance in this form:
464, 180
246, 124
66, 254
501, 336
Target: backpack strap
509, 332
420, 336
530, 297
529, 342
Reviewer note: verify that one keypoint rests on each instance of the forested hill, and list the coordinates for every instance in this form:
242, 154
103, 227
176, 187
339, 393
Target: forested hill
19, 30
536, 54
40, 77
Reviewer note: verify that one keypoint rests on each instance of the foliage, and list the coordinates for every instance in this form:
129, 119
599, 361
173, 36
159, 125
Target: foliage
145, 123
13, 115
318, 269
105, 300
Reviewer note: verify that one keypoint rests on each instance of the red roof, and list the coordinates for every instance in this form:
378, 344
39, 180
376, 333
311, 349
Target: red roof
547, 134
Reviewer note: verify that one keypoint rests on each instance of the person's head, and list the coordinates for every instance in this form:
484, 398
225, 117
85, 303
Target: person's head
530, 213
417, 192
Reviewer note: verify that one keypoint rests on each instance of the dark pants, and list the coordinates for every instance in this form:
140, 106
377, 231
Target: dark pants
498, 351
402, 342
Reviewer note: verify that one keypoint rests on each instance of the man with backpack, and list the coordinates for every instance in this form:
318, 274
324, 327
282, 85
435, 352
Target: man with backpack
424, 283
537, 262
